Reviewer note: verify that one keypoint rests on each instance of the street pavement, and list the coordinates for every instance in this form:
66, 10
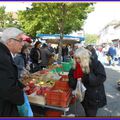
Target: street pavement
113, 93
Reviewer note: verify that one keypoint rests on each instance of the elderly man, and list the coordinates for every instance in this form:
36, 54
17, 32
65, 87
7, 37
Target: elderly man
11, 90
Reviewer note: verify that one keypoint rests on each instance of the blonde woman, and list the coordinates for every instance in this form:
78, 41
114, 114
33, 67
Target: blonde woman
92, 74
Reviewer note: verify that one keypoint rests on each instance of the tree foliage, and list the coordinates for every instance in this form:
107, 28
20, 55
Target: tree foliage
6, 19
10, 21
53, 18
91, 38
50, 18
2, 16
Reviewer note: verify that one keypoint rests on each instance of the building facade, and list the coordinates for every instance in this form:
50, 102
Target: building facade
110, 33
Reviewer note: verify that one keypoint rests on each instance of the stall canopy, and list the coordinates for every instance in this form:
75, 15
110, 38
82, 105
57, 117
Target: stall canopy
54, 38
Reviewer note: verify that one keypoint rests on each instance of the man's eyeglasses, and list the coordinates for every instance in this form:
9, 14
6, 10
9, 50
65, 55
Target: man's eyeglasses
20, 40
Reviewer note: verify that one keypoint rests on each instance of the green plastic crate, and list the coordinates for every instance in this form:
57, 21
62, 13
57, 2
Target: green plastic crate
58, 70
66, 66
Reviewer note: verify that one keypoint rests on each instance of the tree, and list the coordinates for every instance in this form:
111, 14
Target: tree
6, 19
91, 38
2, 16
10, 21
50, 18
53, 18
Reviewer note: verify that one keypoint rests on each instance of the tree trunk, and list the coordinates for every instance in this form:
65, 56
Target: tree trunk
60, 49
61, 33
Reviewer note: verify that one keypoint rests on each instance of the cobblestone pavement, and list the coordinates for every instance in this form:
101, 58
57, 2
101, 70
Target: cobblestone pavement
113, 93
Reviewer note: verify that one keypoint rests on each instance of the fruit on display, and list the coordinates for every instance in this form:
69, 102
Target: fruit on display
43, 91
40, 82
30, 88
37, 85
38, 90
31, 84
45, 71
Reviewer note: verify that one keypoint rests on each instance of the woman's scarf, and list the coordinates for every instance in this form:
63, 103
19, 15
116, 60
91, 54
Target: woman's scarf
78, 73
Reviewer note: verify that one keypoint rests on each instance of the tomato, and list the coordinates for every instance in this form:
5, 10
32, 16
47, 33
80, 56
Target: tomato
39, 92
31, 84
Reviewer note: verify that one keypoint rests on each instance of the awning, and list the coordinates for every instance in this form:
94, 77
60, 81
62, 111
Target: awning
54, 38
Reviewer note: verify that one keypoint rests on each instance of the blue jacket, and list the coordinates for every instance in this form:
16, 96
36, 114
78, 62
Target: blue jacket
19, 61
112, 51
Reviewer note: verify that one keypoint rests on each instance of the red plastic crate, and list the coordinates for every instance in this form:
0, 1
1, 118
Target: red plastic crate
58, 103
56, 94
57, 98
62, 85
53, 113
64, 77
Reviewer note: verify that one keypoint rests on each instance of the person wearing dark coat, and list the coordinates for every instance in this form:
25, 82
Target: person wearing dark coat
46, 55
65, 53
93, 76
11, 89
93, 52
35, 56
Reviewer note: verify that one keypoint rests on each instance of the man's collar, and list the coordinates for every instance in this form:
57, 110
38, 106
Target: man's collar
12, 55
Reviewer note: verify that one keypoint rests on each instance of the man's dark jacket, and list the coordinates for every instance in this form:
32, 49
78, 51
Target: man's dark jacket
11, 93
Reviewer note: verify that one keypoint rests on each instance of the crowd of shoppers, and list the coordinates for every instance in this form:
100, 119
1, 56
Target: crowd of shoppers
18, 57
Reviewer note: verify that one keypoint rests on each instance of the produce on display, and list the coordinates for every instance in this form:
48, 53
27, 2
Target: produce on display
39, 83
47, 87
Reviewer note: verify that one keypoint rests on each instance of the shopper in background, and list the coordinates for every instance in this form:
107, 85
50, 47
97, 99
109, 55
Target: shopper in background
45, 56
21, 62
112, 53
35, 55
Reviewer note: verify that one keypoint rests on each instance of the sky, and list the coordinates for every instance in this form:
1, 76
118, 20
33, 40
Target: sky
103, 13
15, 6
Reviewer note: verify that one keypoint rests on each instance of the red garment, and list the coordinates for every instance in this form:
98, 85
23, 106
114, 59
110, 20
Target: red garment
27, 40
78, 73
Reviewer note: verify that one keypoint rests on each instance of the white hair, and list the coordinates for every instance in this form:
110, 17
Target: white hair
10, 33
84, 57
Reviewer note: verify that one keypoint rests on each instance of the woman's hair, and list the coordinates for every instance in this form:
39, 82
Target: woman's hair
37, 43
84, 56
90, 48
24, 48
44, 45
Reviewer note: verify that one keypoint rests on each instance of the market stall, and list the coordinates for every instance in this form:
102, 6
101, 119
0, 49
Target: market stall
49, 89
